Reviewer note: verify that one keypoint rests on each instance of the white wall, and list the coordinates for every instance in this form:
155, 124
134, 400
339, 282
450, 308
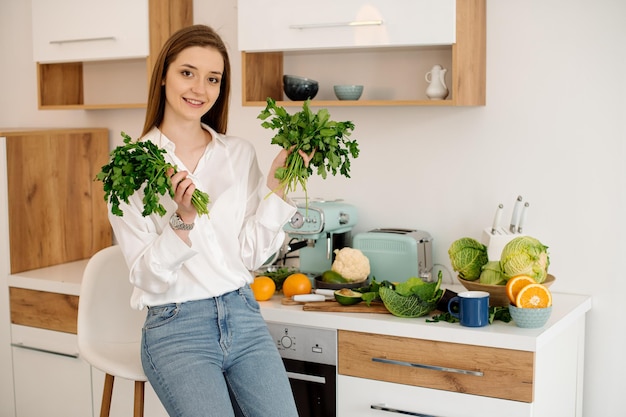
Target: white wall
550, 131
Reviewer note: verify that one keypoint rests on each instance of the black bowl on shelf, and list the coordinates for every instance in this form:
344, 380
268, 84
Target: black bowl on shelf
299, 88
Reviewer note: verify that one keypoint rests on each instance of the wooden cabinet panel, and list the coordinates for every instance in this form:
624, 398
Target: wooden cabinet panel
44, 310
57, 212
491, 372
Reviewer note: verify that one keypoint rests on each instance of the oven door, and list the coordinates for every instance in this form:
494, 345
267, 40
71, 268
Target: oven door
314, 387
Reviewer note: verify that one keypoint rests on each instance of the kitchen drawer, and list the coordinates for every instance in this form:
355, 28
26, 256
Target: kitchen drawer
469, 369
44, 310
368, 398
300, 24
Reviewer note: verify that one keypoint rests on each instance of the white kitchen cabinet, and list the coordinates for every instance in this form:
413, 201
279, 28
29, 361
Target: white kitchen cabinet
512, 371
49, 378
388, 47
459, 380
358, 396
300, 24
84, 47
88, 30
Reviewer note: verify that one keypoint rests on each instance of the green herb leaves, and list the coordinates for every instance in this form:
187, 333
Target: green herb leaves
135, 164
308, 131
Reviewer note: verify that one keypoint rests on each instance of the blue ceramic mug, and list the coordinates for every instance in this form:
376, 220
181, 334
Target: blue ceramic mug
471, 308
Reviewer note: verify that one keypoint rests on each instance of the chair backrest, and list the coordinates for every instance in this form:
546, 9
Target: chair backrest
104, 311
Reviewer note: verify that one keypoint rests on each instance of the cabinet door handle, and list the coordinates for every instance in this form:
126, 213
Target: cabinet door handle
431, 367
62, 41
383, 407
305, 377
36, 349
336, 24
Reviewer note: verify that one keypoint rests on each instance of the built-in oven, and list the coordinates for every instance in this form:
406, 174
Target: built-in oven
310, 357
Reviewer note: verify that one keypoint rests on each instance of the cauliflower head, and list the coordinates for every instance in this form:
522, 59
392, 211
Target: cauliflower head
351, 264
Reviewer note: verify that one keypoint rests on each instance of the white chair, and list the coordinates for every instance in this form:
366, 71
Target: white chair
109, 330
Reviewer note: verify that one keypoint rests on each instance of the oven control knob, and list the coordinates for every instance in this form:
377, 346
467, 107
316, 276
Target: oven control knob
286, 342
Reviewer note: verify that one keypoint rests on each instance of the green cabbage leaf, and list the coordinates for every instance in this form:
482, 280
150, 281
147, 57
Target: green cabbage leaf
492, 274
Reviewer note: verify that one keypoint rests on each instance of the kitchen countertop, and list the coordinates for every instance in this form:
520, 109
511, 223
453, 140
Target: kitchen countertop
567, 308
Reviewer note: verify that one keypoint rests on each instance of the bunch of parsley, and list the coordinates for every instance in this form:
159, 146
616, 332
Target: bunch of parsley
135, 164
308, 131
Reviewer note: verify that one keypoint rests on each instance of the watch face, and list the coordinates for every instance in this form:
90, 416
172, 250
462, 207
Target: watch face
177, 223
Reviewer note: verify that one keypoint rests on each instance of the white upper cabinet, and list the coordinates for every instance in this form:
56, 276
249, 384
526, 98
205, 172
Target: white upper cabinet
89, 30
282, 25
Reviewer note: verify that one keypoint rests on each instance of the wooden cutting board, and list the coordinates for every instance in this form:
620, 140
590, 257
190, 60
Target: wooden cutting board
336, 307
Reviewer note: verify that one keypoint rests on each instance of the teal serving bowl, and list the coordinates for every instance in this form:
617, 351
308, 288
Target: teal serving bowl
348, 92
530, 318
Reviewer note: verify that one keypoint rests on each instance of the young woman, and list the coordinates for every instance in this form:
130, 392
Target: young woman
204, 339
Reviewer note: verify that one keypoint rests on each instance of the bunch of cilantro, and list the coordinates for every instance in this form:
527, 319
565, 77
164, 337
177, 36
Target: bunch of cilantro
137, 163
308, 131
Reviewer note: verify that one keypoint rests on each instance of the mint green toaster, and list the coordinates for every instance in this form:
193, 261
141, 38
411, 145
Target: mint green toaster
396, 254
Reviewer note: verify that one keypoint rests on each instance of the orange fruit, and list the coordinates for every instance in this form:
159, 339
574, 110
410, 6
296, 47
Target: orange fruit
515, 284
263, 288
295, 284
534, 296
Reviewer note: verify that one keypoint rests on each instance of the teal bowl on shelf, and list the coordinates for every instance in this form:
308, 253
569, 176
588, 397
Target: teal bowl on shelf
348, 92
530, 318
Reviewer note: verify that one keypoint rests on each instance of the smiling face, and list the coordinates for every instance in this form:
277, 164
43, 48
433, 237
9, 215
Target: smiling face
192, 83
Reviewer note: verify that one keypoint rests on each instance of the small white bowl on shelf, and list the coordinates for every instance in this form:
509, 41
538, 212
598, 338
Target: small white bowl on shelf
348, 92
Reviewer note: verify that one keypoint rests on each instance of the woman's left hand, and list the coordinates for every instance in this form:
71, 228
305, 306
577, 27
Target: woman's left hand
280, 160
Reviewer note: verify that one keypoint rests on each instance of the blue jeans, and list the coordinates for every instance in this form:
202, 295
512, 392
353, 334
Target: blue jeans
199, 353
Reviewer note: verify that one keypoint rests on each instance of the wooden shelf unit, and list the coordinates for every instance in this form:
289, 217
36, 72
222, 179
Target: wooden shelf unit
61, 86
262, 72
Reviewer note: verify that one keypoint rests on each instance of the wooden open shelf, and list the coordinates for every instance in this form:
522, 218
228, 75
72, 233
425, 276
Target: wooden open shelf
262, 72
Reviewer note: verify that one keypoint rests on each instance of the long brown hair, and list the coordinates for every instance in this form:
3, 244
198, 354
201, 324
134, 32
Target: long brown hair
196, 35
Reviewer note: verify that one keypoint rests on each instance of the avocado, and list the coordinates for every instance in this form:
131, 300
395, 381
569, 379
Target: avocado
347, 297
333, 277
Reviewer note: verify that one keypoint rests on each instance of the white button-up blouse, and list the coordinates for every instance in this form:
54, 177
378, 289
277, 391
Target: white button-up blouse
243, 230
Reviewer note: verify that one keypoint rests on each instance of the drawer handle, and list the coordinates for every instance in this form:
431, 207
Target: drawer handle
431, 367
337, 24
53, 352
307, 378
383, 407
104, 38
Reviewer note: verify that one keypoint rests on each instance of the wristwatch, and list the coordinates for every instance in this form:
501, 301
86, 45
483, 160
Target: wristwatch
178, 224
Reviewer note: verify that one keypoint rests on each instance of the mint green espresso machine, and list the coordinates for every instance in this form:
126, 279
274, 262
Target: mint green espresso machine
316, 230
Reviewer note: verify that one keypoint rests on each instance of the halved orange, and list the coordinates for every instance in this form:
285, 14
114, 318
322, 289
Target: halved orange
534, 296
515, 284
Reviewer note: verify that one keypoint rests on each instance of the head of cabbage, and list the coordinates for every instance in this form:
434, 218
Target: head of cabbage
492, 274
525, 255
467, 257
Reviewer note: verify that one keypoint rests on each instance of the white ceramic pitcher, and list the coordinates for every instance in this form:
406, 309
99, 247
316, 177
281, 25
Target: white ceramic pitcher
436, 79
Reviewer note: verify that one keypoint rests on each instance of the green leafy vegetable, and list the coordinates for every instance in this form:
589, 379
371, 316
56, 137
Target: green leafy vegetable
135, 164
492, 274
279, 275
495, 313
420, 300
525, 255
467, 257
308, 131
